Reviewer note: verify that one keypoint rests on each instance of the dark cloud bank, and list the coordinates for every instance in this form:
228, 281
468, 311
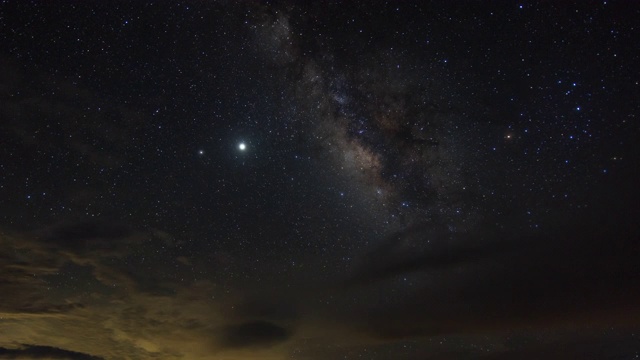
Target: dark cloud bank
253, 334
43, 352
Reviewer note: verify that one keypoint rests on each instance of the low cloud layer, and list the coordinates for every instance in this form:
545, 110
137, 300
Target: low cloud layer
253, 334
43, 352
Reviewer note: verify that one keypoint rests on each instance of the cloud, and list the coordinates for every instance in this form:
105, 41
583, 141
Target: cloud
569, 276
253, 334
589, 347
88, 236
80, 288
421, 248
88, 288
43, 352
265, 307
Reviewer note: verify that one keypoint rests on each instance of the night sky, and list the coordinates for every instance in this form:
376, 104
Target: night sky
319, 180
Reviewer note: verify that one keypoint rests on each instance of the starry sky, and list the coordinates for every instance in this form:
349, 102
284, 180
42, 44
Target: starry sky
319, 180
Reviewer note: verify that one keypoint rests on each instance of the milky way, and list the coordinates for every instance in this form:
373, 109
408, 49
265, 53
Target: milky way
395, 141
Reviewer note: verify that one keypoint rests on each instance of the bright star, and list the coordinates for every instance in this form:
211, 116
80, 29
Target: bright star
242, 146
